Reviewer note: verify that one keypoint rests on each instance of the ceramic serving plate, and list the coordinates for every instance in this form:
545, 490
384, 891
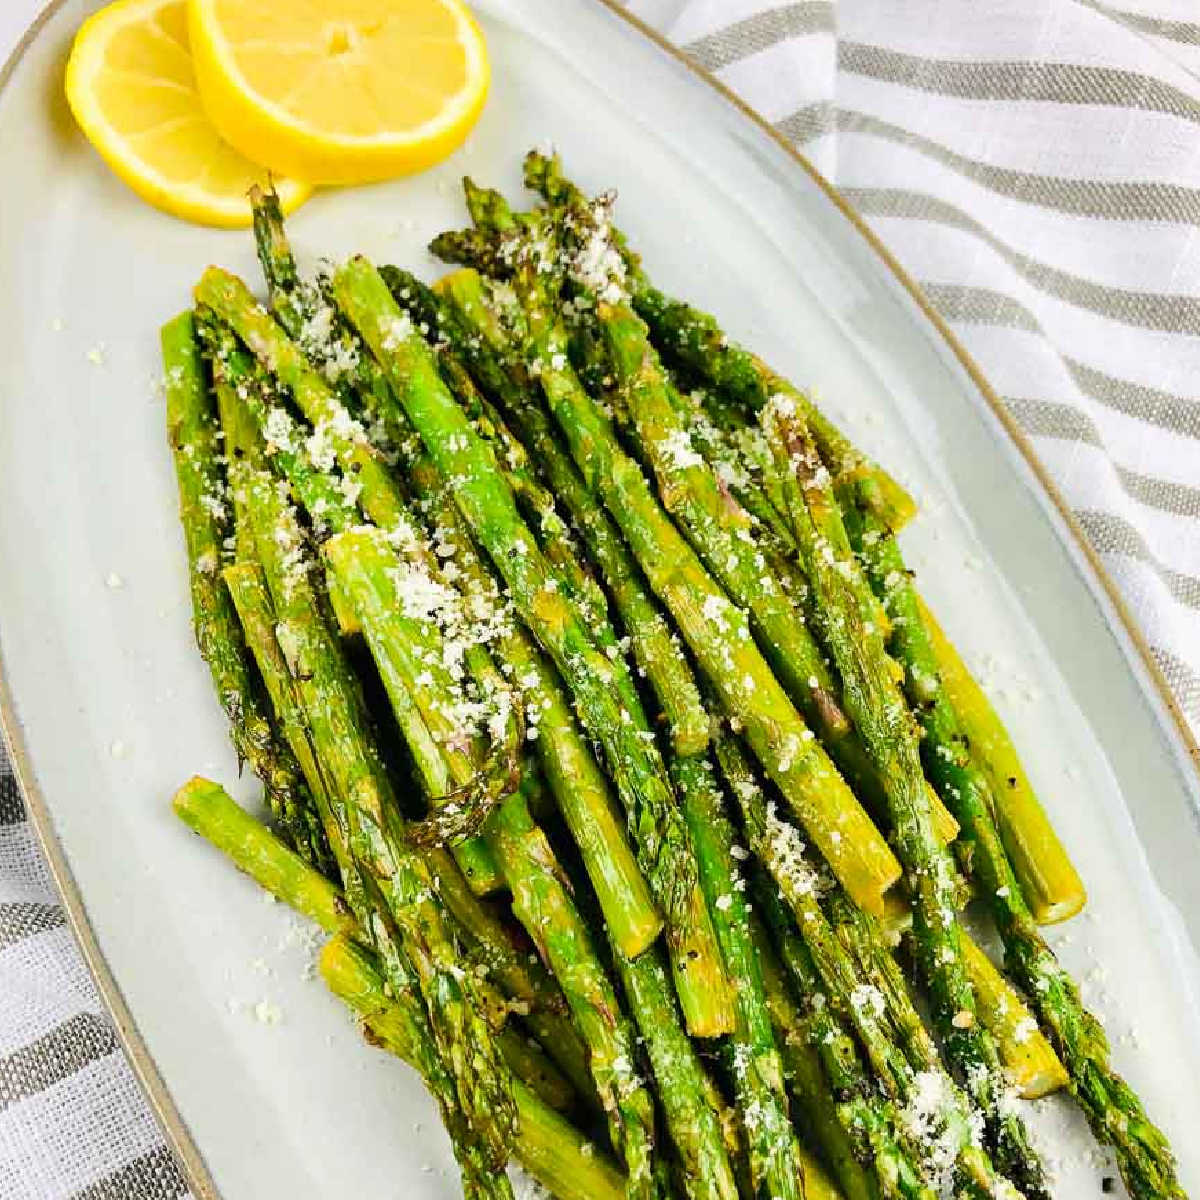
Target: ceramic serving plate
261, 1081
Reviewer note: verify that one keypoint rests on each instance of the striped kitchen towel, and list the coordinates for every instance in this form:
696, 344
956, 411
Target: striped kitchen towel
1035, 165
73, 1121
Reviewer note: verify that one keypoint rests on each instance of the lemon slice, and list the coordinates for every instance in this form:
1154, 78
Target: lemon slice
340, 91
132, 88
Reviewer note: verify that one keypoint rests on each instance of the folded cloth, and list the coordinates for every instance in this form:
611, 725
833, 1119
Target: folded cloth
1036, 168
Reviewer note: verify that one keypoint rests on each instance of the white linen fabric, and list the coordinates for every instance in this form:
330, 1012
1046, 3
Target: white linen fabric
1035, 166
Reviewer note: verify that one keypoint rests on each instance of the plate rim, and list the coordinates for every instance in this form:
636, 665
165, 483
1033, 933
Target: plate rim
170, 1121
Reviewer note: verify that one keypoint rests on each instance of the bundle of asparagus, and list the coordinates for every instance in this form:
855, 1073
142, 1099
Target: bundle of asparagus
549, 617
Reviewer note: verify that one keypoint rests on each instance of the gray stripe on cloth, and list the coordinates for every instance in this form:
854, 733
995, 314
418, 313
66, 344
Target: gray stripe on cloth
1145, 310
805, 124
1045, 418
1163, 494
1176, 413
1065, 423
979, 306
1056, 83
1185, 32
759, 32
1112, 534
1099, 199
1182, 680
12, 806
21, 919
59, 1054
985, 306
153, 1176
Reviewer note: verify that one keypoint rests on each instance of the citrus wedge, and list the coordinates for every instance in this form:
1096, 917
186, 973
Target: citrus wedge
340, 91
131, 86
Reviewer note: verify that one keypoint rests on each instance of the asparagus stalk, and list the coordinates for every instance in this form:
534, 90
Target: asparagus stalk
628, 908
543, 905
877, 706
716, 630
555, 540
704, 494
547, 1146
857, 1003
720, 532
540, 898
776, 1167
1113, 1110
579, 786
533, 991
529, 988
380, 593
1049, 882
207, 809
369, 821
488, 506
354, 974
312, 323
1028, 1057
683, 1086
845, 1122
694, 339
655, 649
331, 504
679, 1078
248, 589
204, 511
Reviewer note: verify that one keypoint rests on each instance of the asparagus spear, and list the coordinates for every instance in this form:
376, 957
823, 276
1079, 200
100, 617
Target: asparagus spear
628, 907
857, 1131
1028, 1057
678, 1075
311, 322
547, 1146
370, 824
354, 974
682, 1084
655, 649
540, 897
707, 495
483, 498
877, 706
851, 1127
555, 540
204, 511
208, 810
513, 973
693, 338
776, 1168
579, 786
720, 530
1113, 1110
716, 630
1049, 882
331, 503
916, 1084
529, 988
